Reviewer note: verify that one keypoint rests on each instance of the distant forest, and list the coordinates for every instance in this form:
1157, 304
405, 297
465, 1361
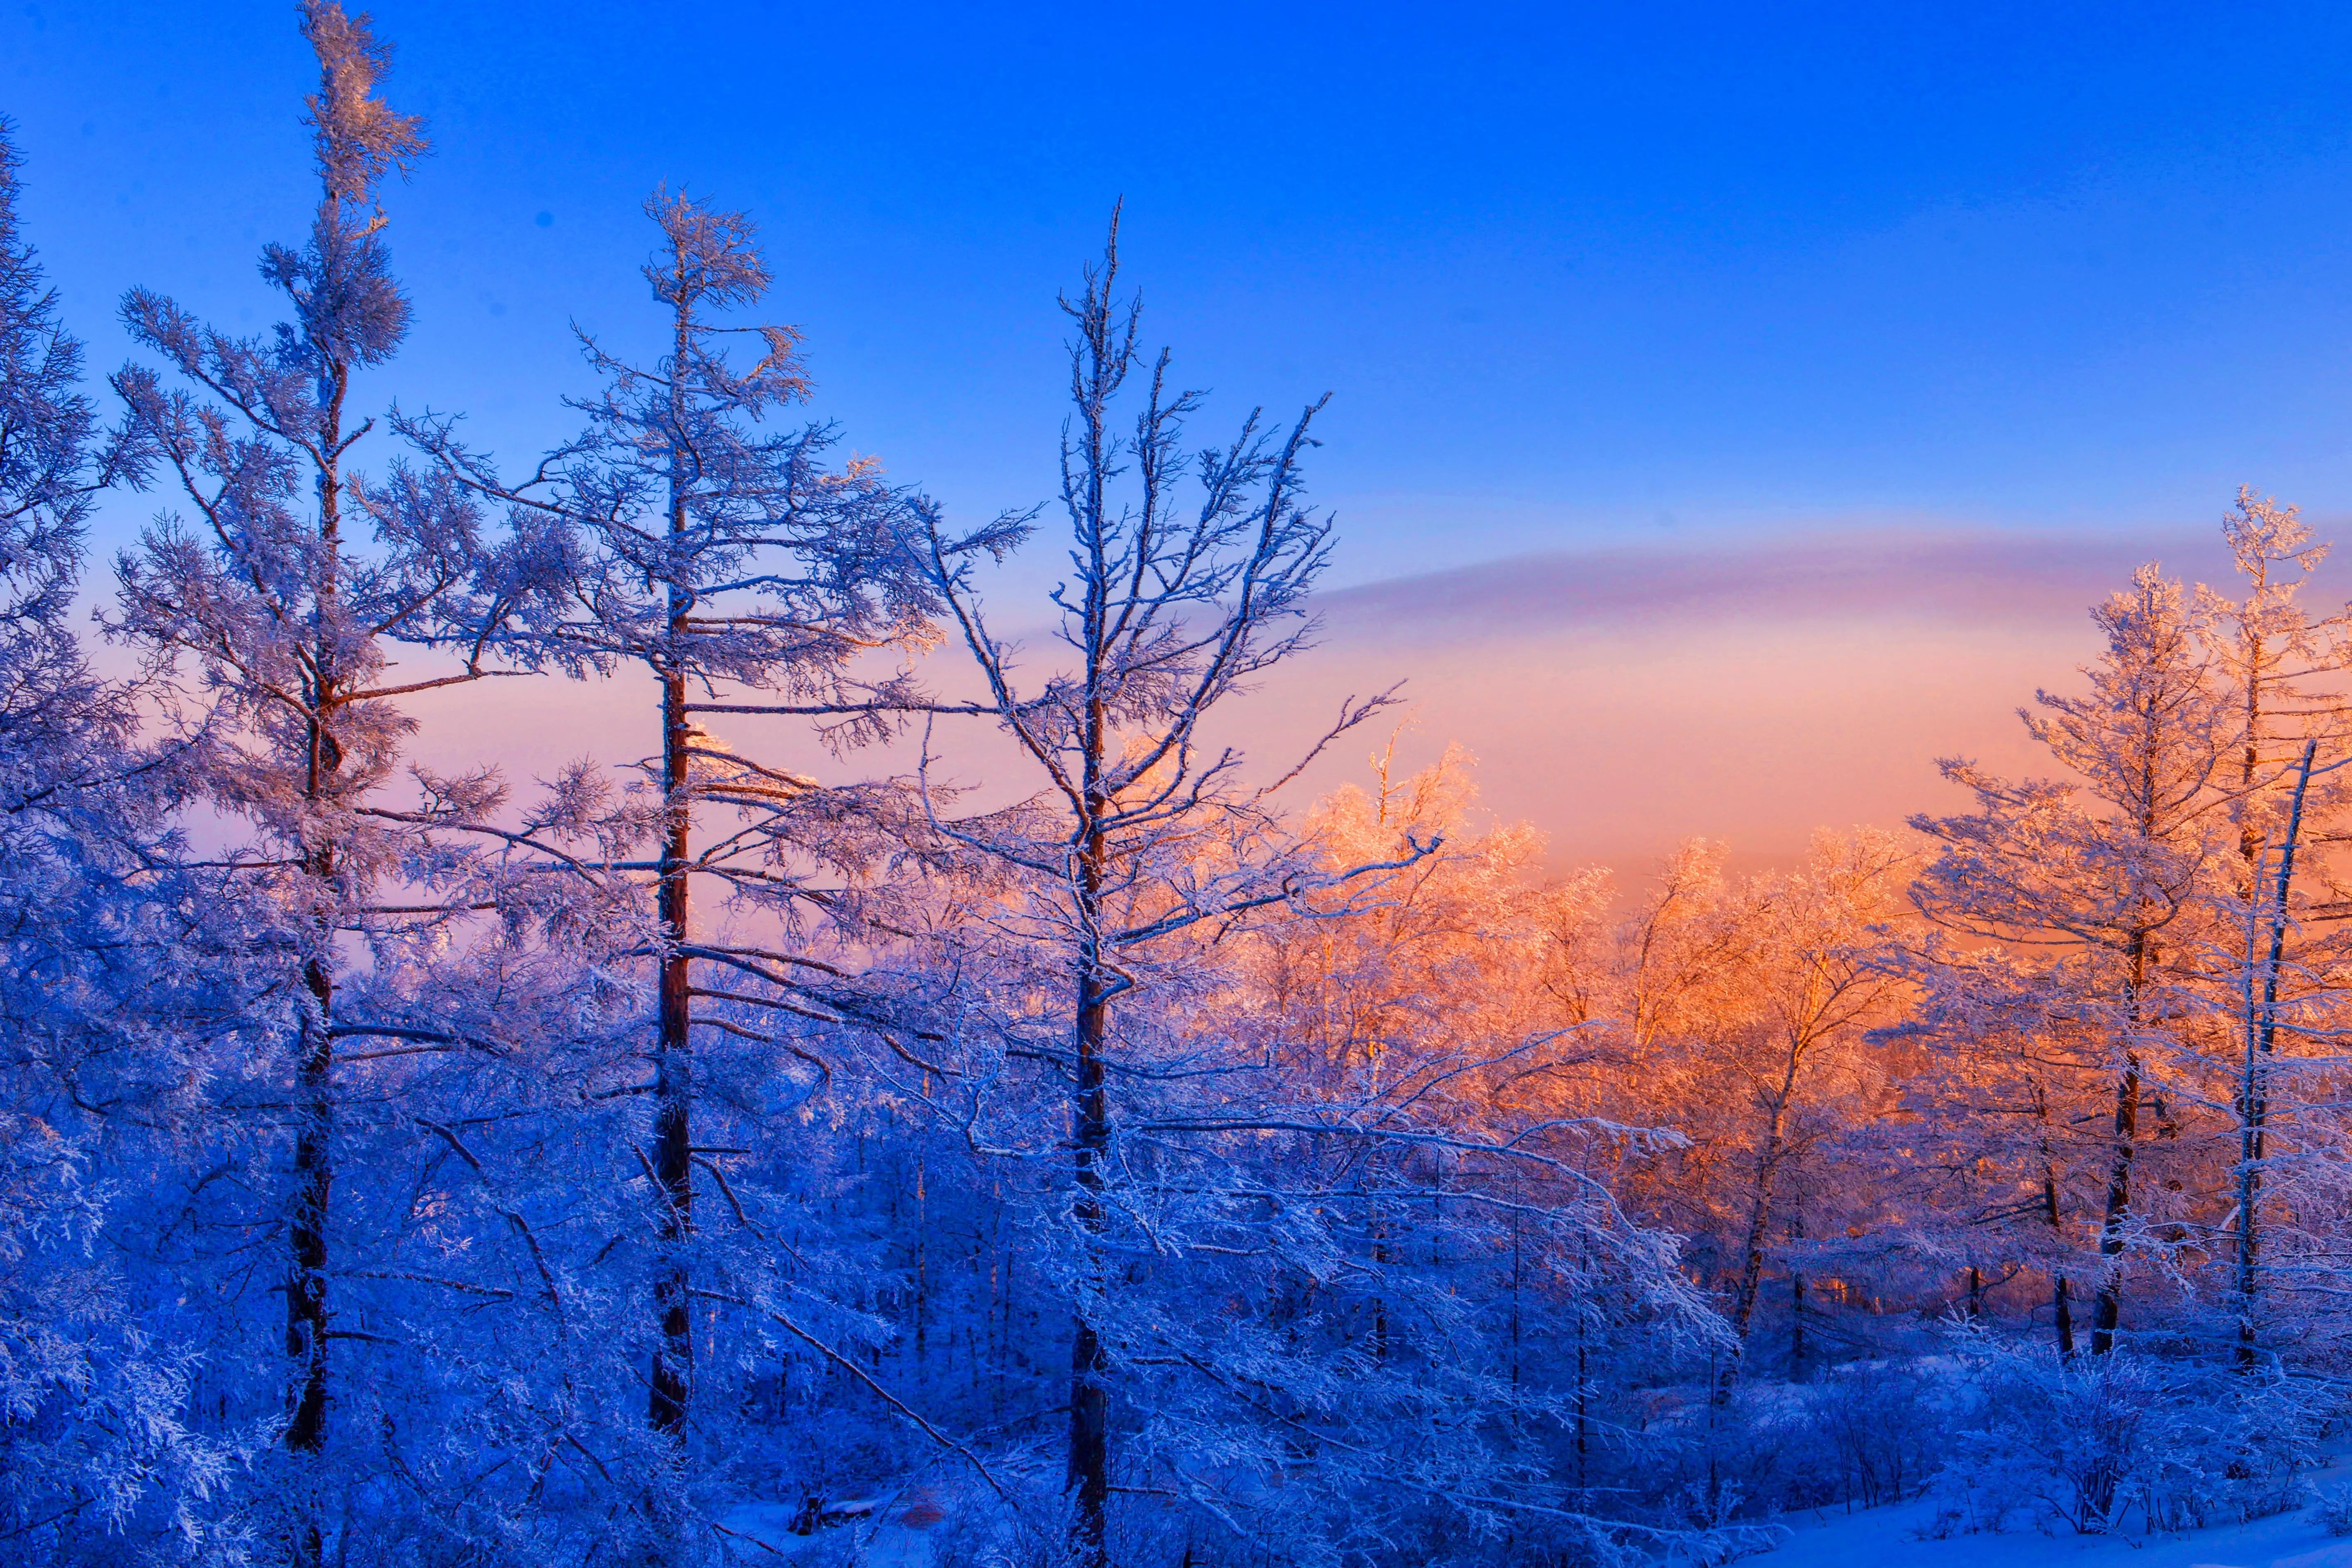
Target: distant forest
684, 1160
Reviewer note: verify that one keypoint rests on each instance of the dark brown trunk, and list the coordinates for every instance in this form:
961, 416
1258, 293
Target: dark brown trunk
1517, 1270
2106, 1309
1583, 1405
2062, 1307
1089, 1465
2254, 1099
314, 1177
672, 1383
305, 1286
1088, 1475
2107, 1312
314, 1154
1796, 1328
673, 1369
1752, 1261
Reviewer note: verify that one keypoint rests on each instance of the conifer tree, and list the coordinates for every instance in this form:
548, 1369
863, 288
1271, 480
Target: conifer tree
722, 555
280, 588
2112, 886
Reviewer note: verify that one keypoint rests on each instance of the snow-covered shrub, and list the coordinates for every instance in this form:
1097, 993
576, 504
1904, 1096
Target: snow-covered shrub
1878, 1433
2100, 1444
1859, 1436
2334, 1512
2251, 1440
2063, 1440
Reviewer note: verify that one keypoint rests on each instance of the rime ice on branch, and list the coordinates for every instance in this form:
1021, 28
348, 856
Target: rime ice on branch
748, 576
281, 580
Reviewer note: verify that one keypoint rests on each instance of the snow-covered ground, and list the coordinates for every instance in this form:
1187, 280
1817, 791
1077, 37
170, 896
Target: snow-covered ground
1885, 1538
895, 1530
901, 1530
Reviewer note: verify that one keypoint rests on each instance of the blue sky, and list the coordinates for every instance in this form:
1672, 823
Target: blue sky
1840, 353
1575, 274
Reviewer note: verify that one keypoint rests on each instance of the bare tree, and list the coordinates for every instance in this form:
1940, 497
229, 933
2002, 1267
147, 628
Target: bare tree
1144, 830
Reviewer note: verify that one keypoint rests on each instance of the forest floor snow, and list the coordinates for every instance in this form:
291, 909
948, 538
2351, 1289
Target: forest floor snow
895, 1530
1887, 1538
900, 1530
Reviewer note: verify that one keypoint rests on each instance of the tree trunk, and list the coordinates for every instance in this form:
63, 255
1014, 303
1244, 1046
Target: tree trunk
923, 1254
1516, 1270
314, 1177
2108, 1306
1090, 1464
2107, 1312
314, 1154
1089, 1468
306, 1286
2061, 1306
1584, 1409
1752, 1263
1797, 1349
673, 1371
2253, 1099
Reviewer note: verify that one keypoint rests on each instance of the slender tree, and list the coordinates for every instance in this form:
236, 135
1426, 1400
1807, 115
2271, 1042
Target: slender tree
2280, 660
2266, 934
726, 559
1143, 831
284, 591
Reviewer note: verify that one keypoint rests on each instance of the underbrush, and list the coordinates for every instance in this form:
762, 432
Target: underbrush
1999, 1436
2106, 1445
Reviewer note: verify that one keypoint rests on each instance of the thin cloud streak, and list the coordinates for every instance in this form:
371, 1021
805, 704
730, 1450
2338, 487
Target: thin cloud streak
1748, 689
1970, 577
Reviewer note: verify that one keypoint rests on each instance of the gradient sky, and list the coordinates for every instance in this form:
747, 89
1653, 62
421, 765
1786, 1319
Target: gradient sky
1672, 284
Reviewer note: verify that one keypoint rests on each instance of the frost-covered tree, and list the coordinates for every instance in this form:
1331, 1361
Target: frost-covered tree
1201, 1143
2274, 656
1808, 962
67, 734
1473, 1010
279, 584
1994, 1163
1733, 1013
2278, 969
98, 1457
1143, 831
718, 551
2112, 891
2195, 974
